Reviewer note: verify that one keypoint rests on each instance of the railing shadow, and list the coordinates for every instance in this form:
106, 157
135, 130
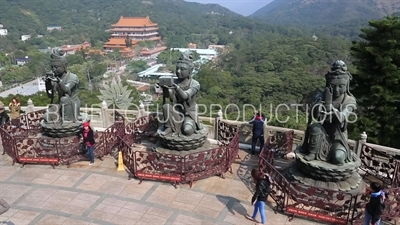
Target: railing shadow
244, 171
235, 208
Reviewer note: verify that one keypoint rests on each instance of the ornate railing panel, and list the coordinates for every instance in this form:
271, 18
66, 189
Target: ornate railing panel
204, 164
379, 164
128, 157
279, 188
8, 145
111, 135
232, 152
33, 120
69, 150
277, 146
36, 150
320, 204
156, 166
226, 132
15, 131
146, 126
101, 149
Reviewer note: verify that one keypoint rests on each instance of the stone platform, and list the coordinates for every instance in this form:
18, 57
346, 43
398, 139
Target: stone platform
158, 147
98, 194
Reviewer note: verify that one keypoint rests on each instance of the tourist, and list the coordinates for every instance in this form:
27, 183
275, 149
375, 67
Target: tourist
4, 118
15, 109
258, 122
263, 183
87, 135
4, 206
375, 206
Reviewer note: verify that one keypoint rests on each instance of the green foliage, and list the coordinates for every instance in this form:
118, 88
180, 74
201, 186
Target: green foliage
180, 22
377, 58
171, 57
269, 71
137, 66
326, 17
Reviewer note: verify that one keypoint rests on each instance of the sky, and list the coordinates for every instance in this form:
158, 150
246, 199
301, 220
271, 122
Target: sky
244, 7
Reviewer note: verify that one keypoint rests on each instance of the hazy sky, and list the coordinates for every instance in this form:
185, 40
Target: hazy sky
244, 7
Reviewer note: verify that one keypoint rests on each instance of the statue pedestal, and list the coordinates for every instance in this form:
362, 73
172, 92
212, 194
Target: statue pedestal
184, 143
65, 129
325, 175
158, 147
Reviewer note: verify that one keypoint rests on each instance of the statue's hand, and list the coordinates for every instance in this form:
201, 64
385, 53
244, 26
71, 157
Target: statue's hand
170, 87
53, 79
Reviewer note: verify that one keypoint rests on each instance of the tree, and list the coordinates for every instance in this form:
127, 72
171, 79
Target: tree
377, 59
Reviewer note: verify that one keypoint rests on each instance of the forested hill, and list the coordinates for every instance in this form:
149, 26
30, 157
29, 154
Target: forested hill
179, 21
336, 17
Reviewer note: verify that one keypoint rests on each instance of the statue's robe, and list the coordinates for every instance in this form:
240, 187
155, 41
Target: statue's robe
189, 106
68, 104
336, 131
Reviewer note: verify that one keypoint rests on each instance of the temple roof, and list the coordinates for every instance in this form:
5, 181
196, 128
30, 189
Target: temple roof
118, 41
134, 22
126, 50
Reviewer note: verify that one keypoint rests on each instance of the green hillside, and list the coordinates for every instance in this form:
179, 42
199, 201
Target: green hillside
334, 17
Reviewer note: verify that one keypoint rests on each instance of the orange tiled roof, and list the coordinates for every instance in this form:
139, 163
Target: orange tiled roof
118, 41
143, 88
152, 51
128, 50
95, 51
134, 22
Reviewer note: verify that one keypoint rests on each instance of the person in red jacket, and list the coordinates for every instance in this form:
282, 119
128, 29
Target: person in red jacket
87, 135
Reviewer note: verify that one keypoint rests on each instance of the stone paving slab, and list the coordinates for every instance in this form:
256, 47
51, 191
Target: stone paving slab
99, 194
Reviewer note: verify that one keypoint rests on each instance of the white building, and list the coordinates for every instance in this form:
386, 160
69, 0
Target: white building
204, 53
25, 37
51, 28
41, 84
3, 32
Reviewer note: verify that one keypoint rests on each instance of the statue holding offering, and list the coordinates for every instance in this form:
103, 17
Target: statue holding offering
61, 81
62, 118
181, 128
180, 113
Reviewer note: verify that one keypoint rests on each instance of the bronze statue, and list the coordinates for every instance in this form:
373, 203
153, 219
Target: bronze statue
326, 138
181, 112
66, 84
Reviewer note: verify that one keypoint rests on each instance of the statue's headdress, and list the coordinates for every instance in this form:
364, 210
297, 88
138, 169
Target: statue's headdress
339, 71
187, 58
58, 55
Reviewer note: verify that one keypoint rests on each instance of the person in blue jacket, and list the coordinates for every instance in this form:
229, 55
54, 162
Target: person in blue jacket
257, 121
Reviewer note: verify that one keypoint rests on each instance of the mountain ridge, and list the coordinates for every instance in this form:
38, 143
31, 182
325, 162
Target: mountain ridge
319, 13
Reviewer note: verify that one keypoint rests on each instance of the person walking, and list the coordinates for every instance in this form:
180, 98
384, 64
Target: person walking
263, 186
375, 206
258, 122
4, 206
87, 135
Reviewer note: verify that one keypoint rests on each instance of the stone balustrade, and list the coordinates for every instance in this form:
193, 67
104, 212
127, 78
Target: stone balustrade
102, 118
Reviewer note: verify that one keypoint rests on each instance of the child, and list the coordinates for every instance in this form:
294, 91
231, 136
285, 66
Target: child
375, 206
263, 183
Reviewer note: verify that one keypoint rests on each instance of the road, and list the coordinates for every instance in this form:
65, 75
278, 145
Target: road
28, 88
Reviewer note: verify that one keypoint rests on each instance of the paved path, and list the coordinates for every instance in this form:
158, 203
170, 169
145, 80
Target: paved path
28, 88
98, 194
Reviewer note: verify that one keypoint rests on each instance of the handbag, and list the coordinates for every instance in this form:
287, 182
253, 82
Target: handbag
82, 148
